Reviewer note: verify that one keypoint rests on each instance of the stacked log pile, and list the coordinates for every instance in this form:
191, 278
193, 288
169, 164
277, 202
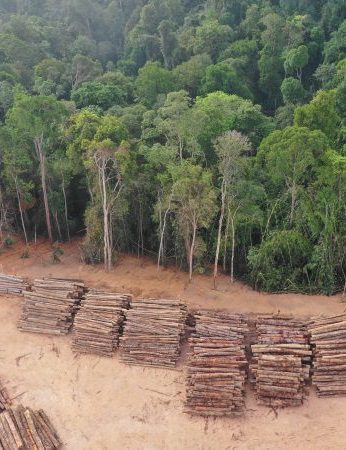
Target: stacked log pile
25, 429
99, 322
51, 306
216, 369
153, 332
328, 338
10, 284
281, 361
4, 398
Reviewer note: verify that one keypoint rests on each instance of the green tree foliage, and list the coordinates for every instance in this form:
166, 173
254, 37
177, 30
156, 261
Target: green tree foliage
96, 93
223, 77
292, 90
125, 120
230, 112
193, 202
320, 114
335, 48
212, 37
278, 264
153, 80
296, 59
188, 75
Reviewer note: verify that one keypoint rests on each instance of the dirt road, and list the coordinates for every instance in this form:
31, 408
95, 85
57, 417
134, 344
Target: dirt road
101, 404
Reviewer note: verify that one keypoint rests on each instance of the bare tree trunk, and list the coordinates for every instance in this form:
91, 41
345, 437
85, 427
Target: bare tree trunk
222, 214
21, 211
104, 163
232, 254
58, 224
160, 256
110, 240
42, 158
225, 241
105, 221
192, 251
181, 148
293, 203
269, 218
65, 206
141, 226
233, 241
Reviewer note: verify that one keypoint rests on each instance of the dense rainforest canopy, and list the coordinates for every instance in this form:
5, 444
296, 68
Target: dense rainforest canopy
206, 133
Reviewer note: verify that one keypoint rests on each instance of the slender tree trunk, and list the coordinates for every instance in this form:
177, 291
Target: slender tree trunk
225, 241
160, 256
65, 206
21, 211
269, 218
42, 158
58, 225
232, 221
222, 214
141, 226
181, 148
110, 239
192, 251
233, 245
293, 203
105, 219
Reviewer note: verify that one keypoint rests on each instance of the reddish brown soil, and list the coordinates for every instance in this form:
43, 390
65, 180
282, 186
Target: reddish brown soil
101, 404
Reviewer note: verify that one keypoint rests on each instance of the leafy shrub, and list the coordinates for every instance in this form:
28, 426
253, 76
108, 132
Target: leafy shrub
278, 264
57, 252
9, 241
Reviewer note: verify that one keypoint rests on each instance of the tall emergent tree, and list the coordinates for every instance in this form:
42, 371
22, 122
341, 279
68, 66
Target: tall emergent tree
231, 149
193, 202
38, 121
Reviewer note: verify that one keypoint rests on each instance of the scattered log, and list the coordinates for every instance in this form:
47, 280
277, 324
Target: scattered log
51, 306
10, 284
99, 321
153, 332
328, 339
5, 401
281, 361
217, 363
24, 429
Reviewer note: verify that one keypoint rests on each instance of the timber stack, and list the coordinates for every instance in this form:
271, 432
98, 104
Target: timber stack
153, 332
4, 398
281, 361
216, 370
98, 323
51, 306
10, 284
328, 339
24, 429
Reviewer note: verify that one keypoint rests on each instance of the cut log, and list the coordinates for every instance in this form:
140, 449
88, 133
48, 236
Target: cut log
24, 429
217, 364
281, 360
51, 306
153, 332
99, 321
328, 339
10, 284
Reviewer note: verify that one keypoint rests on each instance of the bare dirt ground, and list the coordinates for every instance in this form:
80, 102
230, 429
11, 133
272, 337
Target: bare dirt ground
100, 404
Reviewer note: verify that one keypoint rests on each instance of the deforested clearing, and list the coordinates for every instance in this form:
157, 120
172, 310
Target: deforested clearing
95, 401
